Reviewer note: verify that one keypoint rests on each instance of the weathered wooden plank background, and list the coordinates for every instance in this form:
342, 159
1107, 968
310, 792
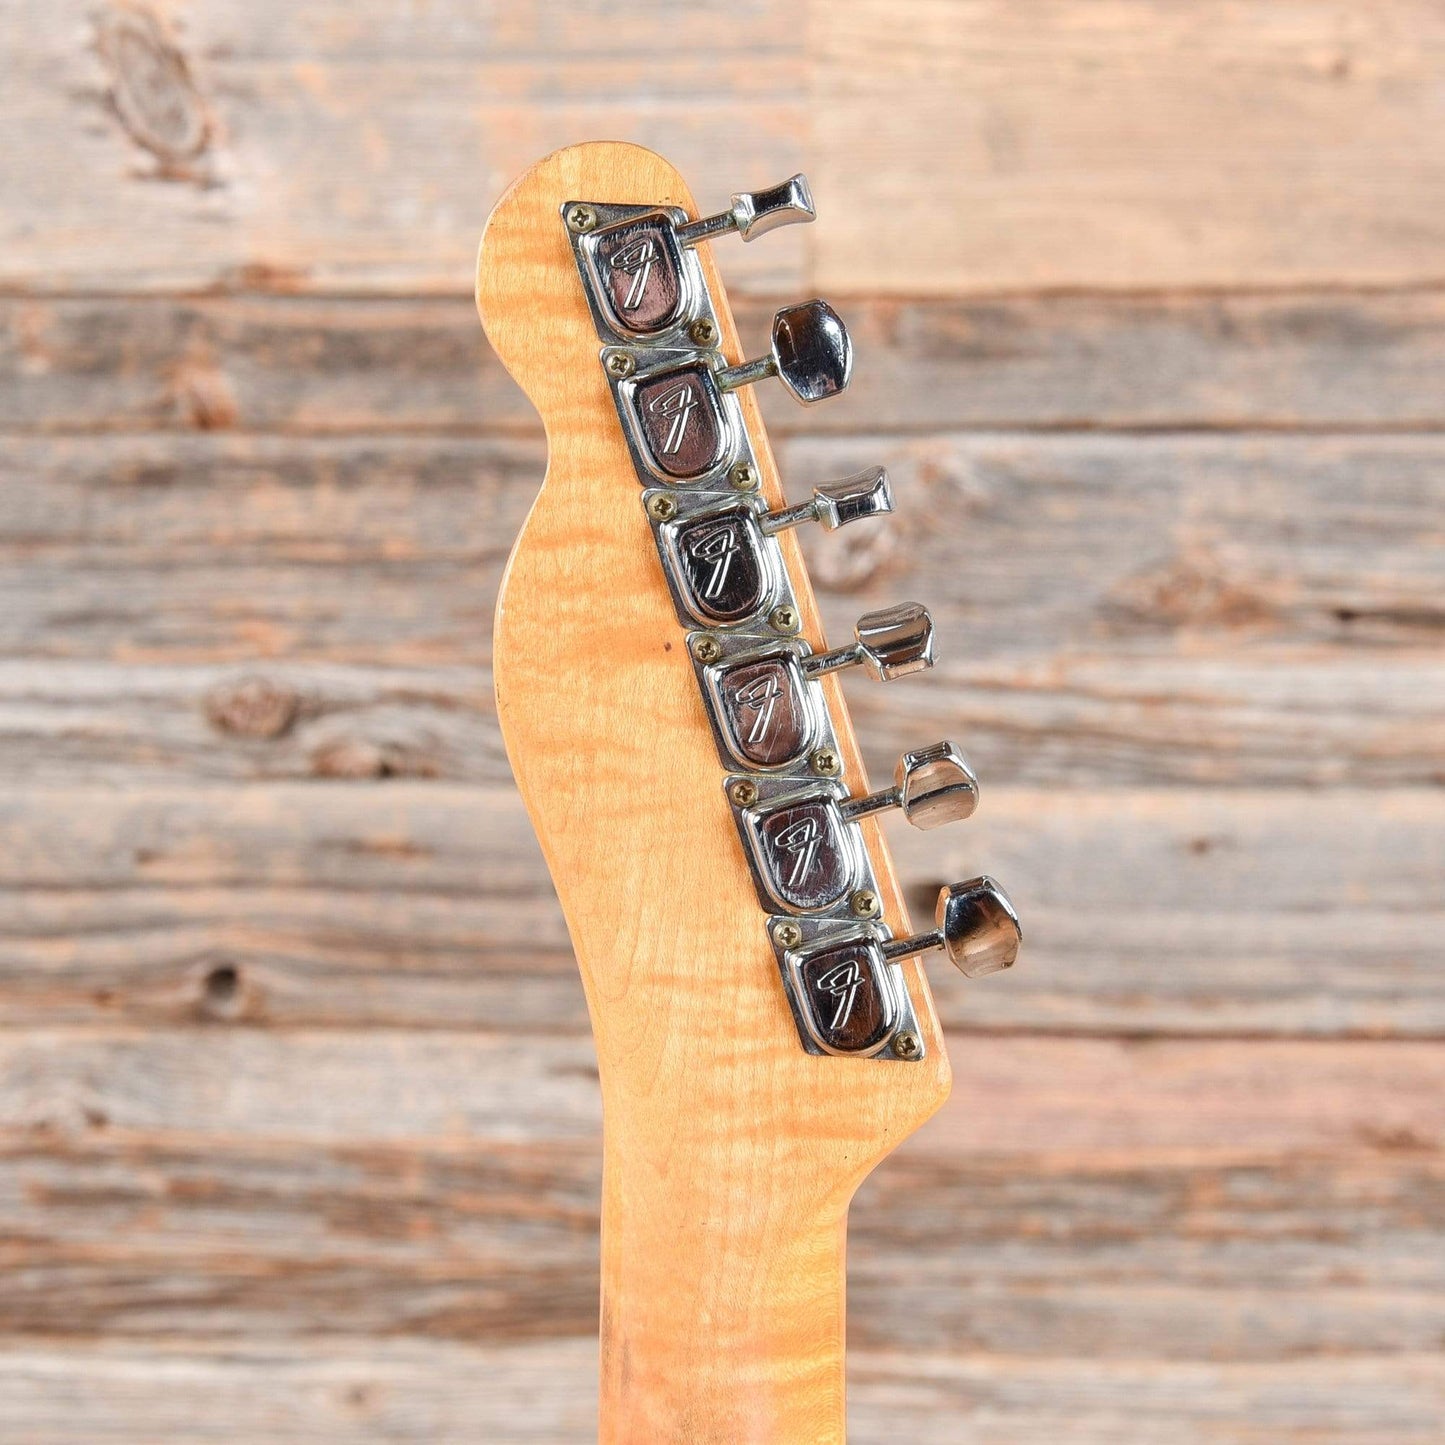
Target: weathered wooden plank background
1150, 310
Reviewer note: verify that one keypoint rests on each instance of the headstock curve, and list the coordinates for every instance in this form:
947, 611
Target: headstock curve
588, 510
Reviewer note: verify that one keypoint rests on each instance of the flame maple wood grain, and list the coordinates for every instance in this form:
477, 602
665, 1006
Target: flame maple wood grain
730, 1154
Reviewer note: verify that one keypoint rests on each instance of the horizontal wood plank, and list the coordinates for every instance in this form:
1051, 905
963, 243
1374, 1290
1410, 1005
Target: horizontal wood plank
428, 905
1231, 1200
314, 154
989, 1400
1069, 1099
1350, 718
1196, 609
404, 1392
252, 363
1137, 543
319, 365
434, 1392
355, 147
1253, 545
1130, 144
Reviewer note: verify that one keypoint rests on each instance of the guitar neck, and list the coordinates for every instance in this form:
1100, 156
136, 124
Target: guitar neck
764, 1029
722, 1315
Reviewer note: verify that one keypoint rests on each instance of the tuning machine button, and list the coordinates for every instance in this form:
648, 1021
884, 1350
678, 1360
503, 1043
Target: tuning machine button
803, 845
719, 559
836, 504
975, 925
811, 354
679, 410
892, 642
931, 787
636, 263
755, 213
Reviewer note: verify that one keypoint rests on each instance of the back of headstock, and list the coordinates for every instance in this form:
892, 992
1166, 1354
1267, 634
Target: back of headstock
679, 733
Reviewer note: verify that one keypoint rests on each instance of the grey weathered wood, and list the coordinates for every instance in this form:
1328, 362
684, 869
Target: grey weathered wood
432, 1392
988, 147
316, 552
426, 904
1349, 718
1137, 543
351, 149
1193, 609
1278, 1257
314, 364
66, 722
298, 1121
1090, 1100
966, 1399
1135, 1197
252, 363
1257, 546
409, 1392
1214, 361
350, 146
1271, 1258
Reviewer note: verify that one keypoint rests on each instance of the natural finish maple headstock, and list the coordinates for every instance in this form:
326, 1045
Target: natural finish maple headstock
731, 1153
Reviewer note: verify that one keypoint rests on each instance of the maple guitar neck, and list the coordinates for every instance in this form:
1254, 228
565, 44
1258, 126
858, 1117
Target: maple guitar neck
679, 733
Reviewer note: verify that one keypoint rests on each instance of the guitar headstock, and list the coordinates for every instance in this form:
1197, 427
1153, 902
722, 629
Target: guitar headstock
675, 719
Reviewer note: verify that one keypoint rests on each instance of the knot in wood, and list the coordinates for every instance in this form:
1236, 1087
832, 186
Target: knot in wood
253, 707
151, 86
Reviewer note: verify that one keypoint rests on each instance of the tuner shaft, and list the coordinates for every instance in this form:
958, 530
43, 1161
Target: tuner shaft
755, 213
746, 373
835, 504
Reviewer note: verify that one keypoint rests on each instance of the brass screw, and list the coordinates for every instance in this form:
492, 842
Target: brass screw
864, 903
784, 618
581, 218
619, 363
787, 935
825, 763
907, 1046
707, 649
661, 507
703, 332
744, 793
745, 477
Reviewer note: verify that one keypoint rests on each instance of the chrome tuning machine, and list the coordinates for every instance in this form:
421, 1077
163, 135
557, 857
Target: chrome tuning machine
636, 258
661, 334
846, 990
811, 354
975, 924
720, 565
755, 213
677, 413
892, 642
931, 787
804, 851
835, 504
